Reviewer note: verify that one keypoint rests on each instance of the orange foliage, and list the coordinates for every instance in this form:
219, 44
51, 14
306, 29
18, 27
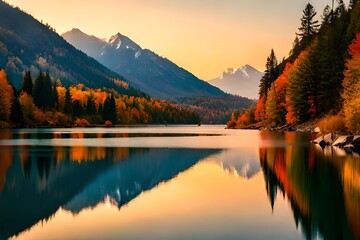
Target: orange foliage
6, 96
281, 84
260, 111
135, 113
5, 163
81, 122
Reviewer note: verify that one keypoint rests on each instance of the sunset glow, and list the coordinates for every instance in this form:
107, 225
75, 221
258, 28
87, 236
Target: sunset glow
204, 37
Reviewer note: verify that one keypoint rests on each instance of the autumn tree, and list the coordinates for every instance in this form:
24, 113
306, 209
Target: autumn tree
351, 84
6, 97
260, 112
272, 111
28, 108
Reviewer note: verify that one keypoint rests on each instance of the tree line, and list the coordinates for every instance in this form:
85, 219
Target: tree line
46, 102
319, 79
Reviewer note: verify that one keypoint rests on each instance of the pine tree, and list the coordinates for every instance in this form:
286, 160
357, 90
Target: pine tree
27, 85
271, 73
68, 108
301, 89
309, 26
16, 116
329, 61
43, 93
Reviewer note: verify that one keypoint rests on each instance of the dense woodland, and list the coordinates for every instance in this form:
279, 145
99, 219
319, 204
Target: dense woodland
319, 80
45, 102
215, 110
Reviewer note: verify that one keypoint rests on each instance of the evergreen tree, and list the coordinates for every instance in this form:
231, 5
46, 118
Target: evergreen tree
55, 97
43, 94
68, 108
327, 16
296, 50
109, 111
329, 61
302, 88
309, 26
271, 73
27, 85
16, 116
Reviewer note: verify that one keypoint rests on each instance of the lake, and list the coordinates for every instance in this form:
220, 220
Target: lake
175, 182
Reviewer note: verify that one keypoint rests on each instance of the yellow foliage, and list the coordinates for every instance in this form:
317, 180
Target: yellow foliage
61, 97
28, 107
332, 123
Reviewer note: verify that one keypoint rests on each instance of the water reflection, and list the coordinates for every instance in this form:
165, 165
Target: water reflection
214, 189
36, 181
322, 185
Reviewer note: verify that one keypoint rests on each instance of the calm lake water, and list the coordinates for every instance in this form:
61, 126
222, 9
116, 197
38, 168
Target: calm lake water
175, 182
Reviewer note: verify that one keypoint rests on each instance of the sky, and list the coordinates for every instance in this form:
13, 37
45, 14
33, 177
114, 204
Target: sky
206, 37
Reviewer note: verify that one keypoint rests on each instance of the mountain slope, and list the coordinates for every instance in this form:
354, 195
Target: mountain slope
27, 44
243, 81
145, 69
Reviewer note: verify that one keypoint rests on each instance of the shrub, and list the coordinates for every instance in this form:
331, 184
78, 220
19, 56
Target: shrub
81, 122
108, 123
332, 123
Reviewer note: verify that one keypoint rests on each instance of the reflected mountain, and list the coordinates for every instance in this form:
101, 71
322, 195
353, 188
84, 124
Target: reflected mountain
36, 182
242, 162
124, 182
323, 187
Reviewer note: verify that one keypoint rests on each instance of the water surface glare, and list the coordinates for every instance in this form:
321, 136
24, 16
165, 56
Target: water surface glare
175, 182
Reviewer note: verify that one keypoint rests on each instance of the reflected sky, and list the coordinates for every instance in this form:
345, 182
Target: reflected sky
241, 185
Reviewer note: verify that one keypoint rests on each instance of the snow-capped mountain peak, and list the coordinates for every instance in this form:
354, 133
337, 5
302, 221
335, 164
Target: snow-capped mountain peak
243, 81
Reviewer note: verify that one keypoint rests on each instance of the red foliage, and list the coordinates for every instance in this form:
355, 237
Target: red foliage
108, 123
354, 47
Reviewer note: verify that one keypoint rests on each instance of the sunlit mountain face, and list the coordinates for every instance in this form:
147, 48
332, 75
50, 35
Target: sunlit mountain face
145, 69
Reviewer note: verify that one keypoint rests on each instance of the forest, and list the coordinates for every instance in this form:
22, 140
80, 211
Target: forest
320, 80
46, 102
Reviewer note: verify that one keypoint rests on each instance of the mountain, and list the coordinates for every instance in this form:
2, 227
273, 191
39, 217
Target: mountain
44, 183
243, 81
27, 44
146, 70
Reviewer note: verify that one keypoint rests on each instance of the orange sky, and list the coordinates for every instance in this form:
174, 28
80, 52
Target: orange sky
205, 37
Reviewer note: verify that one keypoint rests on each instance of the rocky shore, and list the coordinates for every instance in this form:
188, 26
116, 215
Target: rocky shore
349, 143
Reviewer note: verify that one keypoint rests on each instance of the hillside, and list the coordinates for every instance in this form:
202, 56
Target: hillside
27, 44
319, 79
243, 81
144, 69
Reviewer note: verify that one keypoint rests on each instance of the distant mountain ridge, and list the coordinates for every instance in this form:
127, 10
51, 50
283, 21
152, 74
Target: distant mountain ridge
243, 81
146, 70
27, 44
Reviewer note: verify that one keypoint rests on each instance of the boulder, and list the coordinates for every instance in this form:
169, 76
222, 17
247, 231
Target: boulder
343, 141
356, 143
328, 139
